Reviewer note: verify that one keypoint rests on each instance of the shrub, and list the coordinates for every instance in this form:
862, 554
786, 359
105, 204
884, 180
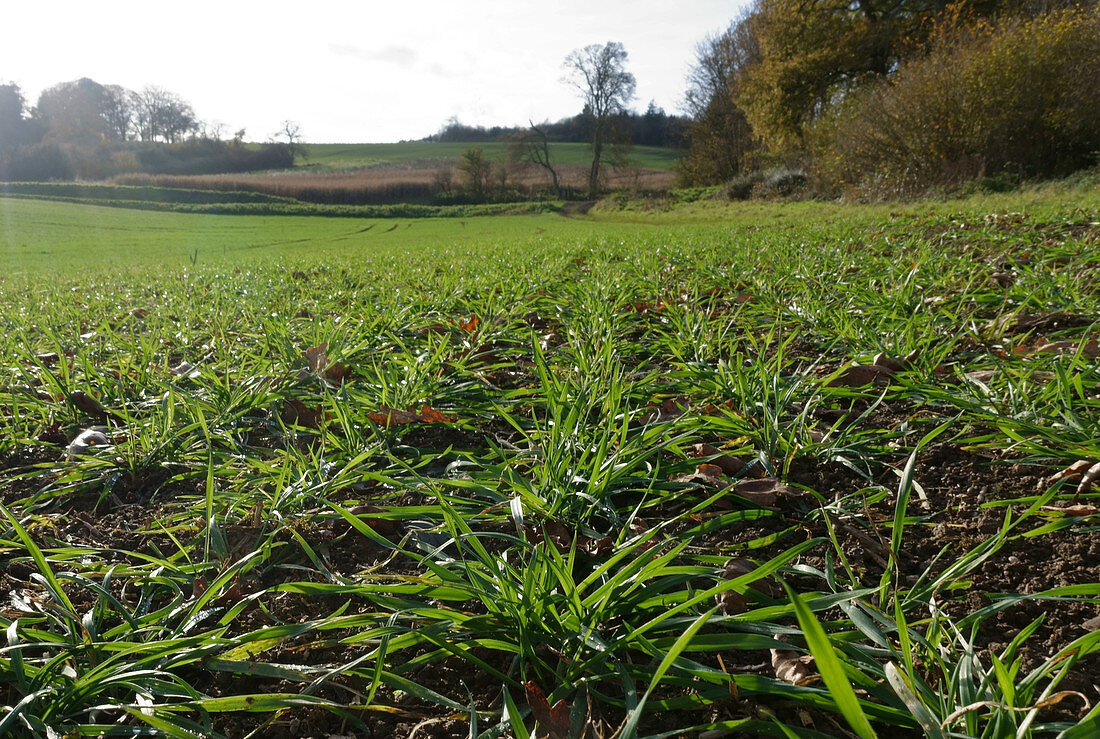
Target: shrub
742, 186
781, 183
42, 162
210, 156
1021, 98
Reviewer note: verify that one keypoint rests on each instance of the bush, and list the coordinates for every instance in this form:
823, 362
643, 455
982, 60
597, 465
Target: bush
781, 183
743, 185
1020, 99
210, 156
42, 162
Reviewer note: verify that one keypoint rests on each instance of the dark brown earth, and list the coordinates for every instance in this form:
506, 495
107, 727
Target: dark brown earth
961, 487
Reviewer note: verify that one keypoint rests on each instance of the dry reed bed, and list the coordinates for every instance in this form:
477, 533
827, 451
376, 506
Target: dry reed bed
375, 186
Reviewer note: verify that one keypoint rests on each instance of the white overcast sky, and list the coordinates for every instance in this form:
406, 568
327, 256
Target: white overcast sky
354, 71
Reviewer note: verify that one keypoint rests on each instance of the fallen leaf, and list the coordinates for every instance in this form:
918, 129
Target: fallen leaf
553, 720
793, 667
731, 603
369, 514
469, 326
859, 375
1074, 472
1088, 349
317, 357
230, 597
603, 545
666, 410
318, 364
765, 491
553, 532
1083, 471
1072, 510
739, 566
1087, 480
184, 369
90, 406
295, 411
388, 417
707, 474
729, 464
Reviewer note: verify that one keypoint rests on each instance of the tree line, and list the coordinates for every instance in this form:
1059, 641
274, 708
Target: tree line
87, 130
886, 98
654, 127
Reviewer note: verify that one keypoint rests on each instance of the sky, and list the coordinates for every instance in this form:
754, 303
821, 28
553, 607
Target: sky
355, 72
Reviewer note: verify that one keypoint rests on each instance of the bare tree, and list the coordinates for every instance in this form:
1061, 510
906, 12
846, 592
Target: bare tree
161, 115
475, 168
720, 61
118, 111
292, 132
598, 72
533, 146
720, 139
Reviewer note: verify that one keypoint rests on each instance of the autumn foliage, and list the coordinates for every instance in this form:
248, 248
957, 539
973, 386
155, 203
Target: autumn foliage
1020, 98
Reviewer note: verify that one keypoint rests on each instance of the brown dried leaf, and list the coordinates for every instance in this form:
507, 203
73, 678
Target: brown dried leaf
469, 326
707, 474
553, 532
431, 415
90, 406
337, 373
603, 545
553, 720
1090, 478
859, 375
295, 411
793, 667
388, 417
369, 514
1088, 349
729, 464
666, 410
739, 566
887, 362
765, 491
317, 357
731, 602
1074, 472
1072, 510
230, 597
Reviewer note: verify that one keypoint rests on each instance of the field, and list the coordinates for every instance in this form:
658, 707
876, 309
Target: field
430, 154
371, 174
715, 470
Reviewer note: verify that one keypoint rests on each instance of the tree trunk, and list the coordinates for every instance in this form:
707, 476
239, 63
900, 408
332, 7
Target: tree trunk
594, 172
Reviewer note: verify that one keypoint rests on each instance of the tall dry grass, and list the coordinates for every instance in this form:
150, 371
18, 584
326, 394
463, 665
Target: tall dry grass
377, 186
